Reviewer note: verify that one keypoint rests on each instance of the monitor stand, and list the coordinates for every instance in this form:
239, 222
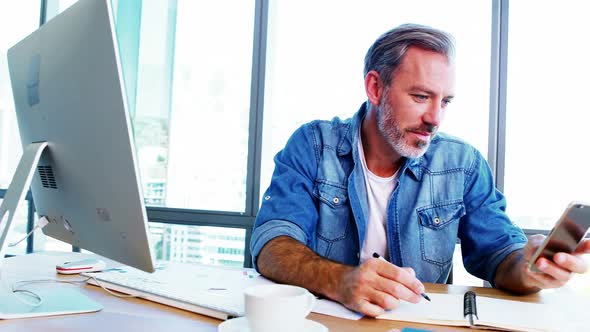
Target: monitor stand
41, 301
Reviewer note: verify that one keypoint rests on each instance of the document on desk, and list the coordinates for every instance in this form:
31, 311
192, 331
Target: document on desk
449, 309
331, 308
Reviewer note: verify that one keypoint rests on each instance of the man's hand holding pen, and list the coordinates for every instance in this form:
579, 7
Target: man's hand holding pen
376, 255
377, 285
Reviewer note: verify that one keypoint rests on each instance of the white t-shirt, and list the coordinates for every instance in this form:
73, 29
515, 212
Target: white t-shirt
379, 191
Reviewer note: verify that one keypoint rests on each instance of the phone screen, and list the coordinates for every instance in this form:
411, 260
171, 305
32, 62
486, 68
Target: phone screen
567, 233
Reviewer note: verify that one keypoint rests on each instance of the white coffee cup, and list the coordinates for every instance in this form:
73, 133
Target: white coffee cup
271, 308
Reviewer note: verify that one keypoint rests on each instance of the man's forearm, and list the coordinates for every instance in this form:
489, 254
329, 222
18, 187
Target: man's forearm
286, 260
510, 274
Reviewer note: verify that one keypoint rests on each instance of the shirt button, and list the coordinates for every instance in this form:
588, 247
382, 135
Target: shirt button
336, 200
358, 255
436, 220
266, 198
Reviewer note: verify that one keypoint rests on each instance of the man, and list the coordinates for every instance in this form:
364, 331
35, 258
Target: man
385, 181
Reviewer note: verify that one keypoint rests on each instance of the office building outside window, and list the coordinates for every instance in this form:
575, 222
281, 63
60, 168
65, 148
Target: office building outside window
198, 244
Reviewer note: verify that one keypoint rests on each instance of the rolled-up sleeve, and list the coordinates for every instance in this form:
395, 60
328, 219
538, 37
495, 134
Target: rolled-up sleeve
487, 234
288, 205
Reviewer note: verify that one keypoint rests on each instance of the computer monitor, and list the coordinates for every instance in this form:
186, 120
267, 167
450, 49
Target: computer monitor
78, 149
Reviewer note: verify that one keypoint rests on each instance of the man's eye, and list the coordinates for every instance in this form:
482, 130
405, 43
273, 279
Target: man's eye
446, 102
420, 98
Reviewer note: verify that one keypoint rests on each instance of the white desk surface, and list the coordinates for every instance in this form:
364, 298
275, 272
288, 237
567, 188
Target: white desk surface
132, 314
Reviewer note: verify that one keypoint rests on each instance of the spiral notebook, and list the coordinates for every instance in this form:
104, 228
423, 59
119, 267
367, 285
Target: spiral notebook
471, 310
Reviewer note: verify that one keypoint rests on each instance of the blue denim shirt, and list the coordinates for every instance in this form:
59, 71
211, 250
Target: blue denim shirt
318, 196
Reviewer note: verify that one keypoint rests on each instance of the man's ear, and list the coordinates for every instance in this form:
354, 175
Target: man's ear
373, 87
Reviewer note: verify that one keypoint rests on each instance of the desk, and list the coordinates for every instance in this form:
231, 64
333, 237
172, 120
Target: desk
132, 314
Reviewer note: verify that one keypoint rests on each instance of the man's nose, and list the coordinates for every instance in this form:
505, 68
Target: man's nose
433, 116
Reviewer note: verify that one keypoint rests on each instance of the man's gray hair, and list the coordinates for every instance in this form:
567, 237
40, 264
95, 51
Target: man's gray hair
386, 54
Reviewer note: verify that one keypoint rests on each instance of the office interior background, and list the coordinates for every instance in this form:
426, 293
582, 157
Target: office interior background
215, 89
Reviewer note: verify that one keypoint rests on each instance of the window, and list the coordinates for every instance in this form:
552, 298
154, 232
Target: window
187, 68
315, 70
198, 244
18, 230
193, 101
62, 4
17, 20
546, 121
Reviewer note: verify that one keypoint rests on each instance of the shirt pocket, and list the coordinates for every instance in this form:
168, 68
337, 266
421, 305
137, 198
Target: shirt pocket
438, 231
334, 211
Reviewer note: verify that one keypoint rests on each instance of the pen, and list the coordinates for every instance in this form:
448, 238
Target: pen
376, 255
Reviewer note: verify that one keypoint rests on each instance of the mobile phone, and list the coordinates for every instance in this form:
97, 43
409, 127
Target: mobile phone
567, 233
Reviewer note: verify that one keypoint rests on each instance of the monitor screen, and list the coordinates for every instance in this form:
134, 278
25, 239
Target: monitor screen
68, 91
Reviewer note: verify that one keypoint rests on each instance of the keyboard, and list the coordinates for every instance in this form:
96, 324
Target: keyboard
208, 290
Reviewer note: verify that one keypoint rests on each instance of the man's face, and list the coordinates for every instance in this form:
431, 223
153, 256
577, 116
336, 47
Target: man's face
412, 107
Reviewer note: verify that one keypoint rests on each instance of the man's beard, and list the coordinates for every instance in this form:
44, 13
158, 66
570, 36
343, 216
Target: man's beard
396, 137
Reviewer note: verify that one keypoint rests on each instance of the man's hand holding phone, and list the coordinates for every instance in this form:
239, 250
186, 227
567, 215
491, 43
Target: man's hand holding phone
554, 258
556, 272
